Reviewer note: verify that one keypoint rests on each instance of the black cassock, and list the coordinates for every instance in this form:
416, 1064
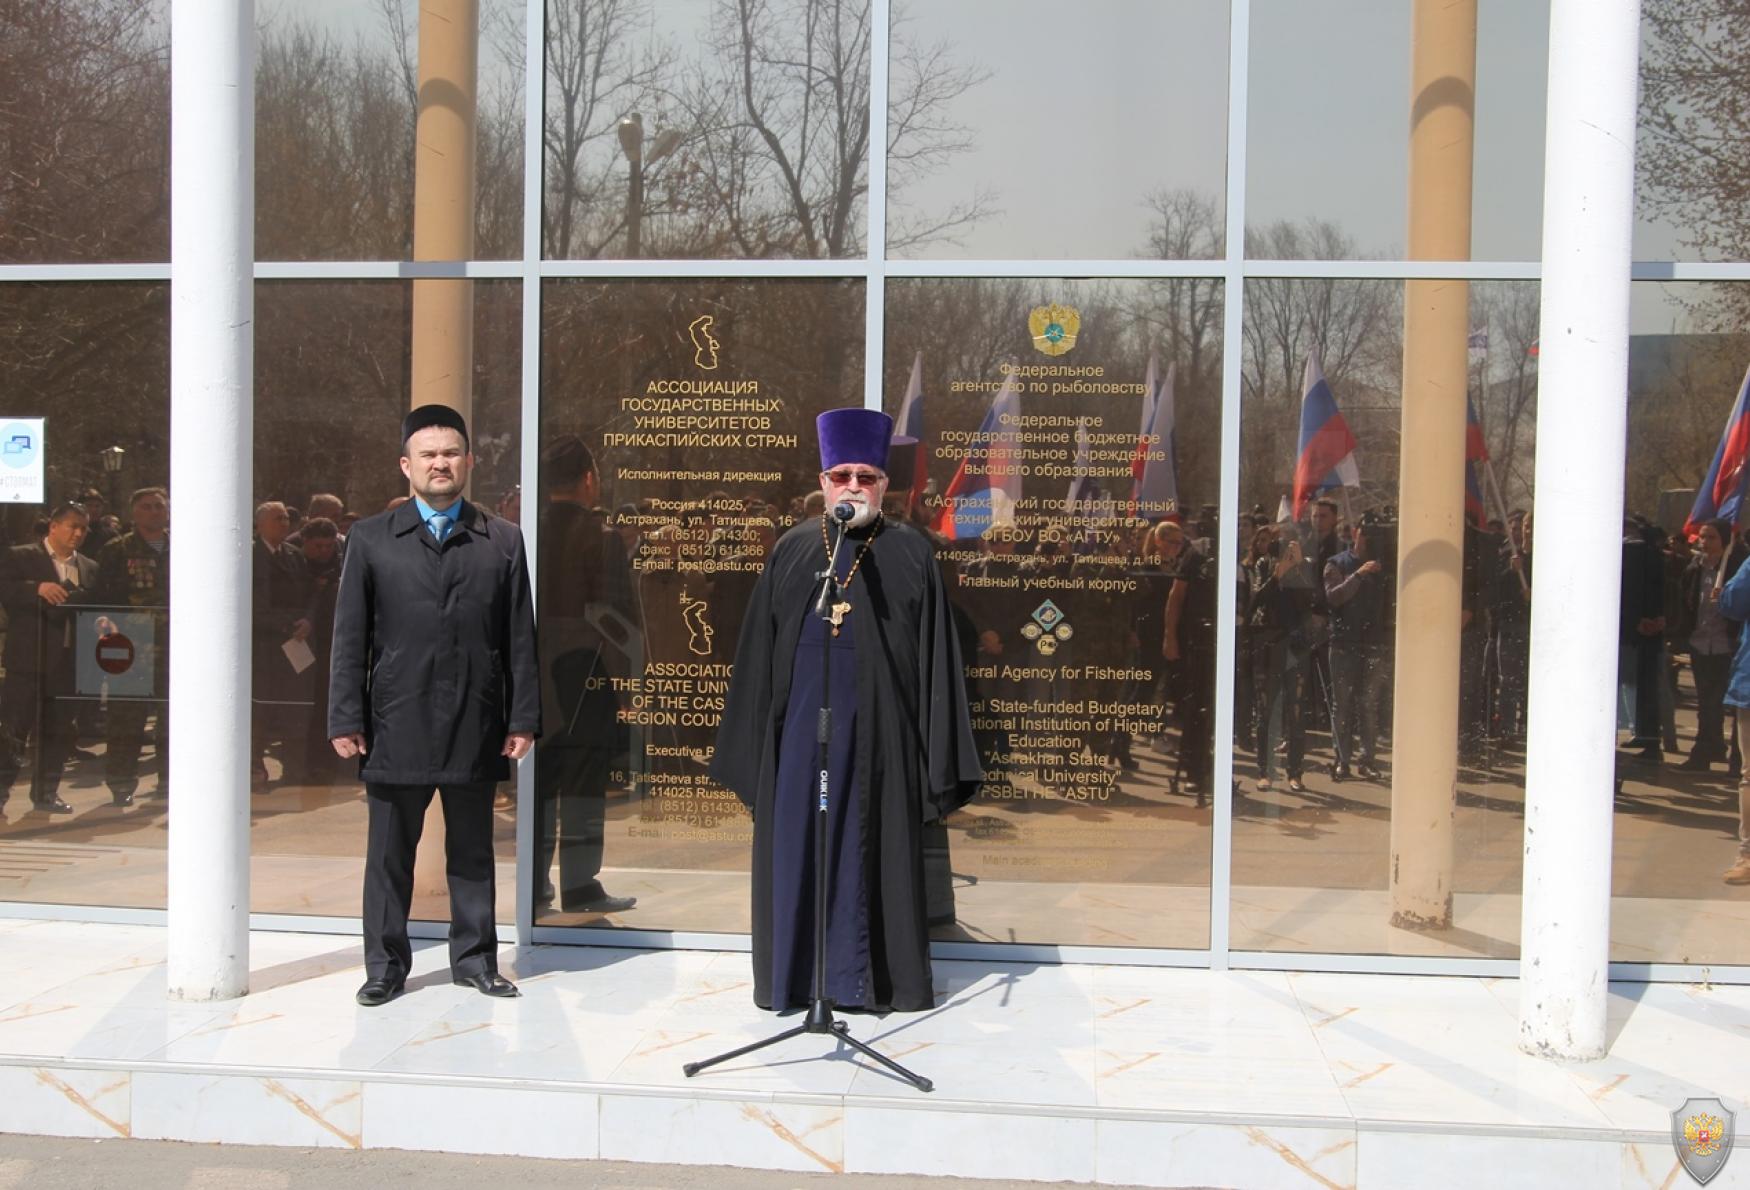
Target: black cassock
914, 758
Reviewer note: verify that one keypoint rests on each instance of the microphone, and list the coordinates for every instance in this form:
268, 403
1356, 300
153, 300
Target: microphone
844, 511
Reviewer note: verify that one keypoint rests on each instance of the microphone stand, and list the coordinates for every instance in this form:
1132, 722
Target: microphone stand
820, 1019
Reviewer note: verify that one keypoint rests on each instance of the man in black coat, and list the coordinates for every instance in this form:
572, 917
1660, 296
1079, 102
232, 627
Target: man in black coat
901, 754
133, 574
588, 615
281, 597
38, 581
434, 683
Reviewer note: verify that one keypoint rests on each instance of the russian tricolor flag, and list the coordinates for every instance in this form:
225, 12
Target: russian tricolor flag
1327, 448
987, 485
1139, 456
1081, 484
1476, 452
1722, 492
910, 423
1081, 503
1155, 492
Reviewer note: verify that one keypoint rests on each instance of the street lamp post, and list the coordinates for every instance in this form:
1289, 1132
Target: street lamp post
113, 457
632, 144
631, 132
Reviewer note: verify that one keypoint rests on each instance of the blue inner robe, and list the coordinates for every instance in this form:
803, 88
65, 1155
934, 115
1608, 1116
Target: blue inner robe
796, 812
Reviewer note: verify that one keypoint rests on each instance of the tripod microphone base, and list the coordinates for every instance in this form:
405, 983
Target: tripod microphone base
819, 1020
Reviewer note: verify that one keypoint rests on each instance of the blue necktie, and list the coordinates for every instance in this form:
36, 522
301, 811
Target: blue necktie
440, 525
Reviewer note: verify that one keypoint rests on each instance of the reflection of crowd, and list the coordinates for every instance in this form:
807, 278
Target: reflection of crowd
1315, 620
1683, 602
296, 574
86, 598
1316, 637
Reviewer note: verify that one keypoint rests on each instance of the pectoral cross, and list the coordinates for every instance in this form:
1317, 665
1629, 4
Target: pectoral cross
839, 611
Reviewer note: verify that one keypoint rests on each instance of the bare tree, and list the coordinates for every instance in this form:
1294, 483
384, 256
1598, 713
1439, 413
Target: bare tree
1681, 388
498, 123
603, 63
780, 115
1356, 328
84, 131
923, 138
333, 149
1506, 384
1187, 225
787, 101
1694, 158
84, 176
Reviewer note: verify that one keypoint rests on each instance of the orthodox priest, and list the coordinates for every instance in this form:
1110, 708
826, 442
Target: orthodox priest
901, 752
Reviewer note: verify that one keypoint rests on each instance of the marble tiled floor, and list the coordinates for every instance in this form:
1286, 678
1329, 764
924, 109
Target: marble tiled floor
1115, 1074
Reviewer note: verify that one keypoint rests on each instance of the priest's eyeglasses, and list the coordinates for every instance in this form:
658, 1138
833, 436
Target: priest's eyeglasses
844, 475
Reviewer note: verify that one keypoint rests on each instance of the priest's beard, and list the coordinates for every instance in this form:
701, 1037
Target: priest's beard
867, 511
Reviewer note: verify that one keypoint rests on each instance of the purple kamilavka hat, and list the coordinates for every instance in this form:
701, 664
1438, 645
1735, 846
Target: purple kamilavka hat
853, 436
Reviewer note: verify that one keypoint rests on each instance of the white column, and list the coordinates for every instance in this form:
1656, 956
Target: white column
1581, 429
212, 300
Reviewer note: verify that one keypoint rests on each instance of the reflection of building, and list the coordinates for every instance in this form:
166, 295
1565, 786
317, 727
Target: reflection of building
1240, 253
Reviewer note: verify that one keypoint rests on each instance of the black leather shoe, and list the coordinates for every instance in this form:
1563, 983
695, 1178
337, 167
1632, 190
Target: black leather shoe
488, 983
602, 904
121, 799
378, 992
52, 805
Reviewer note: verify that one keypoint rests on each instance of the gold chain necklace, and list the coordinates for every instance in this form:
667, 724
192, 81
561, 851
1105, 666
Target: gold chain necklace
842, 608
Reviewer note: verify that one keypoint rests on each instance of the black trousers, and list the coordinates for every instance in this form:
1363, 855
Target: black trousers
571, 776
127, 736
571, 783
1713, 673
397, 816
1196, 724
36, 715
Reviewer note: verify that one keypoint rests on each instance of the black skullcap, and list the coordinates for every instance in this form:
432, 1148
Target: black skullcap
433, 415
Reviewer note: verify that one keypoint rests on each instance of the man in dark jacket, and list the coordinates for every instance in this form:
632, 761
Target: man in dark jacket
133, 574
1355, 591
588, 616
1642, 648
38, 582
434, 683
280, 599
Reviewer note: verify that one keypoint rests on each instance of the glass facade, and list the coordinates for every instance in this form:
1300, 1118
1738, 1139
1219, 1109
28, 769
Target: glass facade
1097, 739
85, 590
333, 374
713, 130
337, 91
1328, 161
999, 113
1679, 810
85, 108
1027, 232
1315, 667
677, 420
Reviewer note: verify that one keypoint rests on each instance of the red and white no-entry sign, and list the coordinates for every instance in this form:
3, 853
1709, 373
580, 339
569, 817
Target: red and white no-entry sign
115, 653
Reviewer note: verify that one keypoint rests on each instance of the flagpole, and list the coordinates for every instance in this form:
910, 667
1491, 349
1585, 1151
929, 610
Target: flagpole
1501, 508
1494, 484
